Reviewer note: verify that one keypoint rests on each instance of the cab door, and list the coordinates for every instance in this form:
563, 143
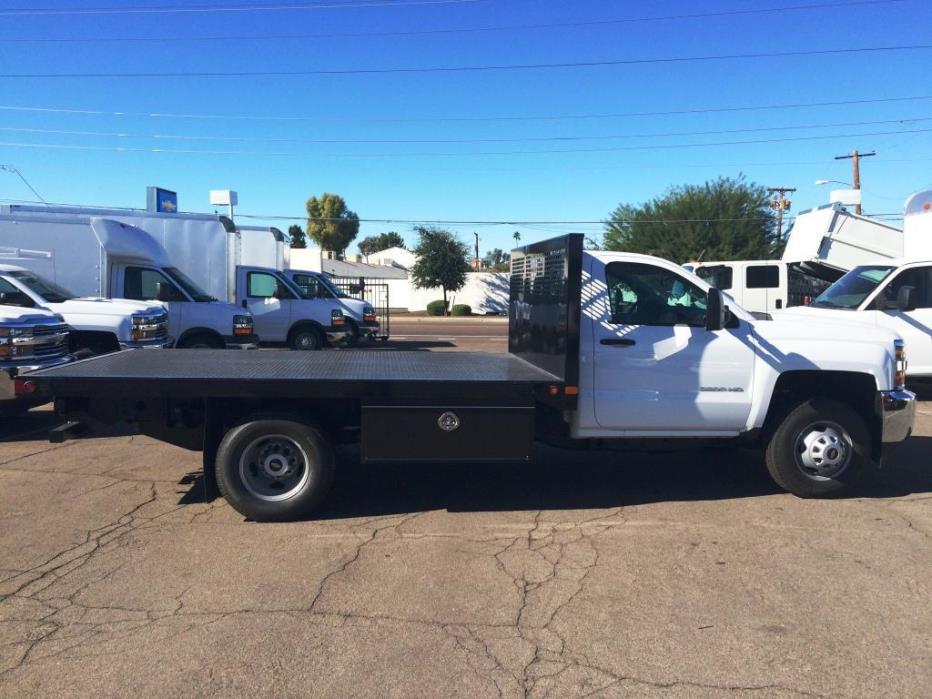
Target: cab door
269, 301
150, 284
656, 369
915, 327
762, 289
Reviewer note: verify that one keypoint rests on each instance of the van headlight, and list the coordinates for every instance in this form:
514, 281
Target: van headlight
242, 325
899, 364
368, 314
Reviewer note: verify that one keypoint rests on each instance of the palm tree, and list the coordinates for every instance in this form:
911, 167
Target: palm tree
517, 237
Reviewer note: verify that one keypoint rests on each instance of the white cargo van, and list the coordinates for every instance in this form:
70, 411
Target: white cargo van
764, 286
101, 257
267, 247
894, 294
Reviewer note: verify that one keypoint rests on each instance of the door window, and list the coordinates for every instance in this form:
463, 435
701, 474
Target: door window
919, 277
642, 294
762, 277
311, 287
719, 276
142, 284
261, 285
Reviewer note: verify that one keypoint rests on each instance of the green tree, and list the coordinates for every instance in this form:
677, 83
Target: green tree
297, 236
724, 219
383, 241
441, 261
496, 260
330, 223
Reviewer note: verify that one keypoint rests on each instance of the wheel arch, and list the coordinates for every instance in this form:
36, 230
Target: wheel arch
306, 323
855, 389
191, 332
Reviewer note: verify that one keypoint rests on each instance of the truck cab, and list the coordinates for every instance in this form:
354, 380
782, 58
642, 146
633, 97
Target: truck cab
96, 325
30, 339
283, 314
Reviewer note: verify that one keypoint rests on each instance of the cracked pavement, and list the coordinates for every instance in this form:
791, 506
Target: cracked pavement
585, 574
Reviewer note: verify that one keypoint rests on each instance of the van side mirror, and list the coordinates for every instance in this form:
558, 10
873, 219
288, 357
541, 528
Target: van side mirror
164, 292
715, 310
906, 298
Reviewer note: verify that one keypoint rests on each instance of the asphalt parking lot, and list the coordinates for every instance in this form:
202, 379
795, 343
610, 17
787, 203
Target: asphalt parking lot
584, 574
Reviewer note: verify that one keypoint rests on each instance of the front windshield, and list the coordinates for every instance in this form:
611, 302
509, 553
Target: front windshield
850, 291
50, 291
186, 283
332, 289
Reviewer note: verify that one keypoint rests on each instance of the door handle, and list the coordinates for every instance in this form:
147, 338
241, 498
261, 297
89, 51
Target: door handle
616, 341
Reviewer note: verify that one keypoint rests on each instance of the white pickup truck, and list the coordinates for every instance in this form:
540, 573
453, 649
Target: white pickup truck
605, 349
889, 293
30, 339
97, 325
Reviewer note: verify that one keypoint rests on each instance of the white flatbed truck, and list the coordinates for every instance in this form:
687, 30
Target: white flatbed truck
604, 349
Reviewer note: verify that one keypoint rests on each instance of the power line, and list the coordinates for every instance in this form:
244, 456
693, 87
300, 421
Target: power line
531, 117
206, 9
525, 139
450, 30
613, 149
467, 69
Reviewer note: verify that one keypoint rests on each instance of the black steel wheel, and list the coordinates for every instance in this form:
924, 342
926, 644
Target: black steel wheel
819, 450
274, 469
307, 338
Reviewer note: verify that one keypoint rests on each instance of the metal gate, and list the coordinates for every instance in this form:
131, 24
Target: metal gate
374, 292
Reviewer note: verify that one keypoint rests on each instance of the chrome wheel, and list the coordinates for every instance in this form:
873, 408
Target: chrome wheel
823, 451
273, 468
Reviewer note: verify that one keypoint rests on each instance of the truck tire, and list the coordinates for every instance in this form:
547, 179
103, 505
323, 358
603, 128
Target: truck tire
352, 339
819, 450
306, 338
200, 341
274, 470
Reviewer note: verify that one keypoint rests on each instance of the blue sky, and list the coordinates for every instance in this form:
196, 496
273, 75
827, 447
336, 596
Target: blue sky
275, 163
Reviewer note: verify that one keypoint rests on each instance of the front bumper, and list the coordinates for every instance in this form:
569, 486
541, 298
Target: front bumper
162, 343
241, 341
336, 336
8, 375
897, 409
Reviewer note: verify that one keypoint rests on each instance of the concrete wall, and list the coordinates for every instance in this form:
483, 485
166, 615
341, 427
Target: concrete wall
486, 292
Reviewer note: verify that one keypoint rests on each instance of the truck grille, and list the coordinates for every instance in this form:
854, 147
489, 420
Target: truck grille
48, 341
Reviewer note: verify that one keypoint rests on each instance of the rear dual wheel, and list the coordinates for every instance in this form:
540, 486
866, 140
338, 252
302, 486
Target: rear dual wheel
274, 469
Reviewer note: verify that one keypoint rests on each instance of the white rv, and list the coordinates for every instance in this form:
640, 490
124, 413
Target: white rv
100, 257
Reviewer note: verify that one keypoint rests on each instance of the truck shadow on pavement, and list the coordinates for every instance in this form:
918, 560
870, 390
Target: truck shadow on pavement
562, 480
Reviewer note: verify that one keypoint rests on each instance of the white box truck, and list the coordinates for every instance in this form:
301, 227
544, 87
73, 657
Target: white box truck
890, 293
97, 256
204, 252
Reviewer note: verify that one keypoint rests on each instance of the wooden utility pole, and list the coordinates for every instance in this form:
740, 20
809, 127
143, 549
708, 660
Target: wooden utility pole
478, 264
781, 204
855, 162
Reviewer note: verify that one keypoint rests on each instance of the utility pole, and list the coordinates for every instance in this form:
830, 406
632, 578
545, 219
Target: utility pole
855, 162
780, 204
477, 251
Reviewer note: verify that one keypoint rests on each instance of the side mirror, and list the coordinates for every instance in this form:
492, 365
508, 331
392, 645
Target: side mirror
164, 292
906, 298
715, 310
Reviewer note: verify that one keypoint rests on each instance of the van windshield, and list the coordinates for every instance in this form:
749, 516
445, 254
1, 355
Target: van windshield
50, 291
186, 283
850, 291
